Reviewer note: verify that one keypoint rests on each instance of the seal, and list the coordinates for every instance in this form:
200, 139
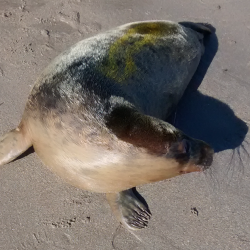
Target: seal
96, 115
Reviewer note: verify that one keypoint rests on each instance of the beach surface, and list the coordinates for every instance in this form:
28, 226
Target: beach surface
197, 211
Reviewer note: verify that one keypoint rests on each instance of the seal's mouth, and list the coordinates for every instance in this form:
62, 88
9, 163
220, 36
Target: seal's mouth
195, 168
191, 168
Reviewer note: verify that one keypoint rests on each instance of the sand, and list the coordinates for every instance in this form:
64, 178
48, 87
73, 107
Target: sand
191, 212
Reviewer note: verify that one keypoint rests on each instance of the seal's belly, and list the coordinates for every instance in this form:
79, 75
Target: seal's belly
104, 167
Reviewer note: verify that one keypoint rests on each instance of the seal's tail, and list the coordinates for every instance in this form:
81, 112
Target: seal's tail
13, 144
204, 28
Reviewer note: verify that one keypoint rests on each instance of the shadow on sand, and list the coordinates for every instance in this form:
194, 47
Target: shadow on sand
207, 118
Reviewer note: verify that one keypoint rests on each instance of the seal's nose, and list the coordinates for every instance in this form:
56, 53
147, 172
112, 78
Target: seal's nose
206, 157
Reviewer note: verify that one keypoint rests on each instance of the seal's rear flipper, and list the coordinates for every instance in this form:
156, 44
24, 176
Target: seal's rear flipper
203, 28
128, 209
12, 145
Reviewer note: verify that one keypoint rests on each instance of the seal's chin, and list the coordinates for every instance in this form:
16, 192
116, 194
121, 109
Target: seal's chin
194, 168
191, 168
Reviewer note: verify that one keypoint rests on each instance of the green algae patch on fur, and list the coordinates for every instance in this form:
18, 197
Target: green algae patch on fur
155, 28
120, 64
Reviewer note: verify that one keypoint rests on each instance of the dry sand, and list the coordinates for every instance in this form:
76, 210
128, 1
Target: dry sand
191, 212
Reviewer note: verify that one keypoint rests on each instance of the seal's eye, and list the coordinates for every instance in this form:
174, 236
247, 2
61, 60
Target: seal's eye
184, 147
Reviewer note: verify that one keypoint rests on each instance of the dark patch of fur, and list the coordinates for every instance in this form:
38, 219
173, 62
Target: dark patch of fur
135, 128
80, 83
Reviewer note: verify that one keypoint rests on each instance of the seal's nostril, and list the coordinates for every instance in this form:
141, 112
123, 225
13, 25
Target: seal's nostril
206, 156
207, 162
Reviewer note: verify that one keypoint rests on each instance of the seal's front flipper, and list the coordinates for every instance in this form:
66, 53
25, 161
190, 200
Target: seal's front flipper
129, 210
12, 145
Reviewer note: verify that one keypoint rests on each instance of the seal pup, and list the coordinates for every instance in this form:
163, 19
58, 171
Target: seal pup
95, 116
